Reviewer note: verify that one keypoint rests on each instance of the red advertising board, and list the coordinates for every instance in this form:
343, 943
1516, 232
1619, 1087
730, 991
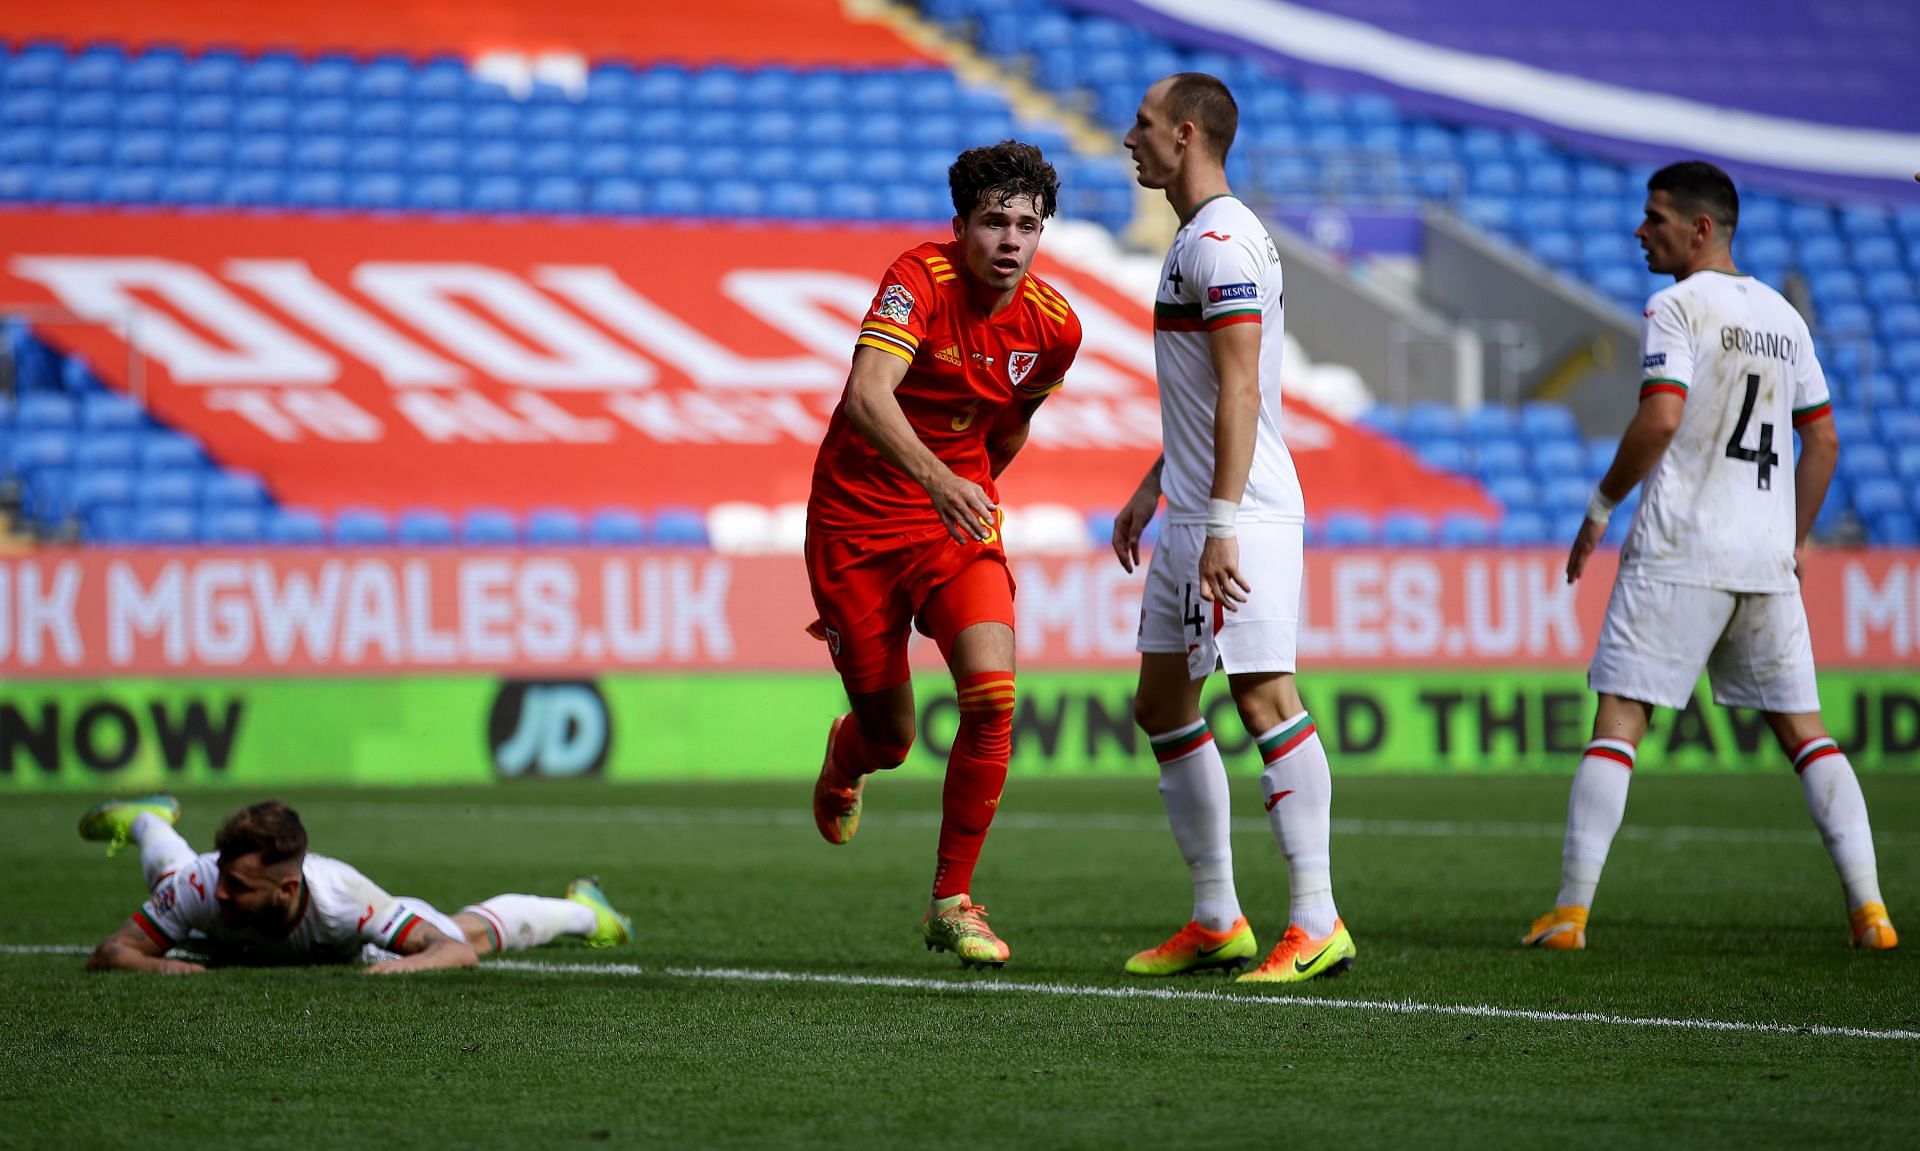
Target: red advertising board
84, 614
792, 32
413, 362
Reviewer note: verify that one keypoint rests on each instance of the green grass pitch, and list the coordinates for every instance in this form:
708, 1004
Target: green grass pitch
1718, 905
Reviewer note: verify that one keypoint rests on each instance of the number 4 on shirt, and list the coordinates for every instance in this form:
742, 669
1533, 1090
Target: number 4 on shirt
1764, 455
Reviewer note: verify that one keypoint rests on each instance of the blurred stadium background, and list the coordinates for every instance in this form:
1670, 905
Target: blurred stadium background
421, 393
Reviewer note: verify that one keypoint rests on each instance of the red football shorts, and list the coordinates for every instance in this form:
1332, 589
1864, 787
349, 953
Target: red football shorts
871, 588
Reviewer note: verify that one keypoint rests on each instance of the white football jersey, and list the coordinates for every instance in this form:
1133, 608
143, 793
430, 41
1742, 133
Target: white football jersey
1222, 269
1718, 509
340, 911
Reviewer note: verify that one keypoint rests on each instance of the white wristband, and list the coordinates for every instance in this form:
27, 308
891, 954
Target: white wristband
1220, 517
1599, 507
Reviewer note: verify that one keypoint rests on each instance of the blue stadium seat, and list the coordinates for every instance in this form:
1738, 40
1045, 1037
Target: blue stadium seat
169, 451
1443, 455
167, 489
377, 191
109, 524
489, 526
1465, 530
1491, 420
107, 450
1516, 493
45, 411
295, 527
1406, 529
33, 451
495, 194
1347, 529
679, 527
1566, 493
92, 489
557, 195
423, 527
1877, 495
1429, 420
1522, 529
1383, 418
617, 197
1894, 529
225, 489
1865, 460
616, 527
233, 526
361, 527
1556, 458
1501, 456
554, 527
166, 527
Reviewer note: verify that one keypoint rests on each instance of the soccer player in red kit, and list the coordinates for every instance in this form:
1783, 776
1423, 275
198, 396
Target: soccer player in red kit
960, 347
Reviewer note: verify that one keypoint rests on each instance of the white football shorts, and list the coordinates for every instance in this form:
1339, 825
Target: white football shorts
1259, 637
1658, 636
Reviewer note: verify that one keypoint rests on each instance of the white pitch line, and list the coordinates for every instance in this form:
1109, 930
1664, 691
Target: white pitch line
1387, 1006
1060, 821
1070, 990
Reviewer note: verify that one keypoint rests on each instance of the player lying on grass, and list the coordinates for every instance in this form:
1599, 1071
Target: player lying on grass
262, 899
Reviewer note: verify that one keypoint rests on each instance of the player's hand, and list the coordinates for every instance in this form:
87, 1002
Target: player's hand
963, 506
1131, 523
179, 967
1220, 578
1583, 545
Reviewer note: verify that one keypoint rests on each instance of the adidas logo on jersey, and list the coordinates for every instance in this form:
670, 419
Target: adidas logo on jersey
948, 355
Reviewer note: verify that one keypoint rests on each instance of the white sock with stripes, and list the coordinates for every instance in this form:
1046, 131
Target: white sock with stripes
522, 921
1840, 812
163, 850
1594, 811
1297, 787
1193, 786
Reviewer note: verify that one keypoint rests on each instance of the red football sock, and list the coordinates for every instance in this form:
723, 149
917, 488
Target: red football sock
976, 773
854, 755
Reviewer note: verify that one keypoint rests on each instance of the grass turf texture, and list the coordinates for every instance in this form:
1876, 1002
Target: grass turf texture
1738, 917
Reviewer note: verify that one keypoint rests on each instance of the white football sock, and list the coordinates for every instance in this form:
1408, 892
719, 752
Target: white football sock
163, 850
1297, 787
1193, 786
1840, 812
523, 921
1594, 810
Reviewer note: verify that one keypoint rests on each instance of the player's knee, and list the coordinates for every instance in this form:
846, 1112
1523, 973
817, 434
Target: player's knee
986, 709
888, 738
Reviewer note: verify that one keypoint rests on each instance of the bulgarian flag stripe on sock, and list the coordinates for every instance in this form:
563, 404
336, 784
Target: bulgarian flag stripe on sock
1617, 750
1817, 748
1283, 742
1175, 744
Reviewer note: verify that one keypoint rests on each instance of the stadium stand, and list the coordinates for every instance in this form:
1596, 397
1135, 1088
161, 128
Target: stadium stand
121, 126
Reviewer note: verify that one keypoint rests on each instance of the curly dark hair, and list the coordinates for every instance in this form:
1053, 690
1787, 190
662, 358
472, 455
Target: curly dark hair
272, 828
995, 174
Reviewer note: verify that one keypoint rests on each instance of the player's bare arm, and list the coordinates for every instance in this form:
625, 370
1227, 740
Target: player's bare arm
1819, 452
1133, 519
132, 949
426, 949
1645, 441
1236, 362
875, 413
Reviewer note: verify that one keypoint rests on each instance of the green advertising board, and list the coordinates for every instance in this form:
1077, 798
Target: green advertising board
131, 734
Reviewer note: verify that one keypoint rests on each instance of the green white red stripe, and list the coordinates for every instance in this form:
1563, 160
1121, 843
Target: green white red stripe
1617, 750
406, 927
146, 924
1671, 387
1286, 739
1181, 743
1812, 412
1813, 749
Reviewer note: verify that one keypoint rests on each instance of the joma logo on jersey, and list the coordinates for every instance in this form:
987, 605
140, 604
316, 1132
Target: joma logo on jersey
1232, 292
1019, 364
896, 304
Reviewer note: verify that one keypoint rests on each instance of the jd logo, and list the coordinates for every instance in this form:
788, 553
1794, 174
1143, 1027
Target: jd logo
549, 729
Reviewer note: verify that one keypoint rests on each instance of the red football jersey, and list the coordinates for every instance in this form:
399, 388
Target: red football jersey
965, 371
